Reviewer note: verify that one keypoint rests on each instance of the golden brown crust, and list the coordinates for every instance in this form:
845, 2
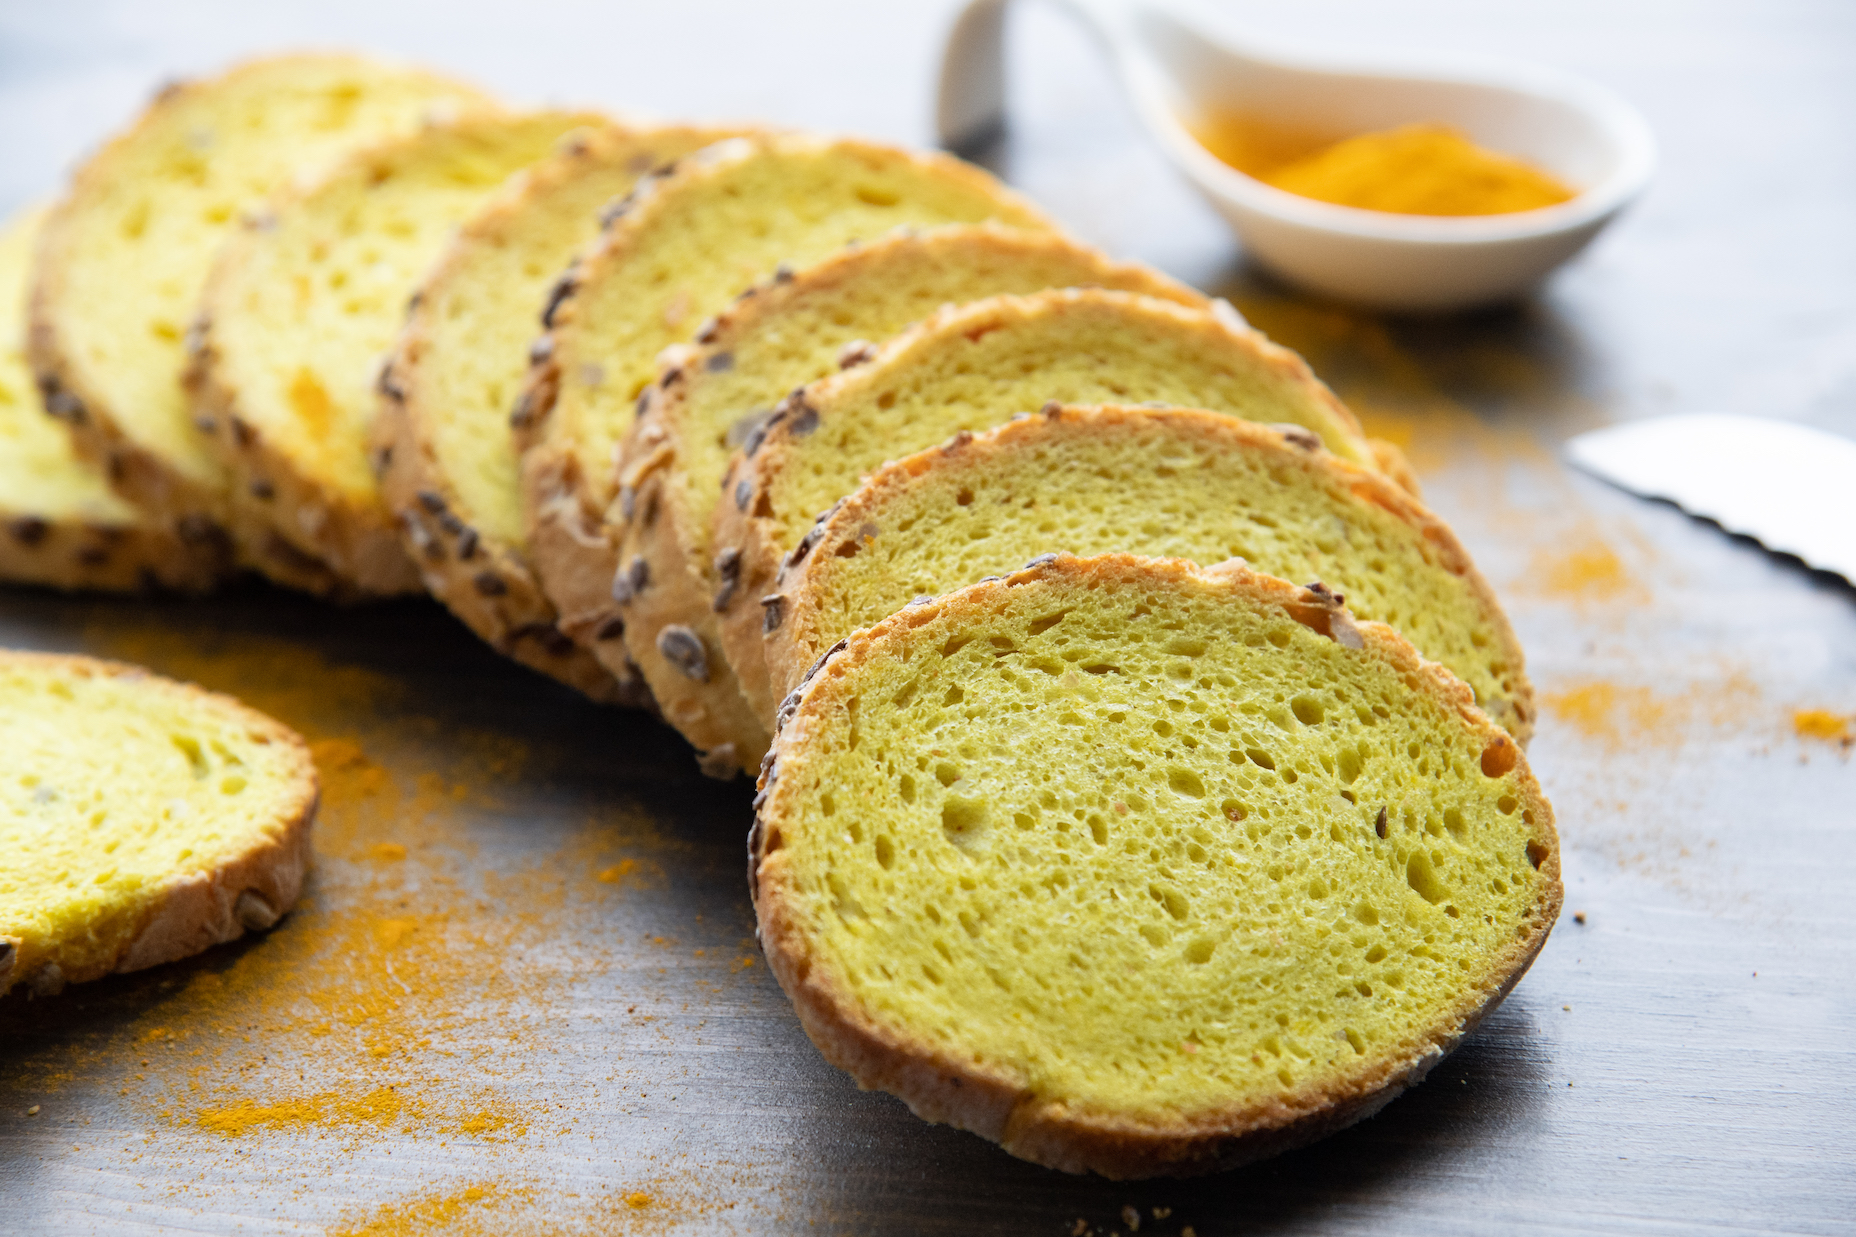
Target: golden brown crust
197, 511
749, 529
270, 499
939, 1087
795, 644
576, 520
487, 581
1391, 461
685, 588
81, 556
196, 514
191, 912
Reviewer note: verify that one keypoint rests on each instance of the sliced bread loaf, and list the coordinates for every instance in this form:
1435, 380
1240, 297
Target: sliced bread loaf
973, 367
1165, 482
446, 467
141, 820
303, 302
1142, 869
60, 523
126, 254
791, 330
675, 252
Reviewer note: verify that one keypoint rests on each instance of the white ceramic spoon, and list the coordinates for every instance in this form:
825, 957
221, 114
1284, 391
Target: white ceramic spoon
1171, 66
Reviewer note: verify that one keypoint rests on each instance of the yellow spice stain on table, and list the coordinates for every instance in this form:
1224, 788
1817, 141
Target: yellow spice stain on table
1626, 717
1824, 725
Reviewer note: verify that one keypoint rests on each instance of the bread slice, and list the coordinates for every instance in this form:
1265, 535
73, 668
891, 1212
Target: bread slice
1142, 869
60, 523
673, 254
141, 820
971, 368
447, 469
1171, 483
125, 256
791, 331
303, 302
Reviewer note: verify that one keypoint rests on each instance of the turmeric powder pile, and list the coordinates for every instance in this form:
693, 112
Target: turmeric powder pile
1422, 169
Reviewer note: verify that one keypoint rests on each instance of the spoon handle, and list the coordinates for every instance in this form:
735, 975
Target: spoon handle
970, 107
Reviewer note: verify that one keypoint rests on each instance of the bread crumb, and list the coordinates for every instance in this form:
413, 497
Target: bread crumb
1131, 1218
33, 1111
1578, 916
638, 1199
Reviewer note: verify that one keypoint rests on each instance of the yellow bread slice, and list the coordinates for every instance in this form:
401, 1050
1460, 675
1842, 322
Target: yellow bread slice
141, 820
447, 469
788, 333
303, 302
1170, 483
676, 251
1143, 869
60, 523
973, 367
126, 254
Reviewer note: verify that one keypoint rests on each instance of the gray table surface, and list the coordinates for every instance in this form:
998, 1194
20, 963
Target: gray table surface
1680, 1061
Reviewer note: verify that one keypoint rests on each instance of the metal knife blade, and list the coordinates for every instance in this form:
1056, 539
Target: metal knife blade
1791, 487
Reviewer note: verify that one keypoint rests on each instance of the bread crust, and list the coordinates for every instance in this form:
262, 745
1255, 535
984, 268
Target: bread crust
197, 510
279, 502
796, 643
575, 514
87, 556
765, 561
355, 554
685, 586
985, 1100
487, 581
188, 912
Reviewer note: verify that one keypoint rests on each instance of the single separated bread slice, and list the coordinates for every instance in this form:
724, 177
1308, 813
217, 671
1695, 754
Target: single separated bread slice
676, 251
301, 305
1142, 869
126, 255
973, 367
141, 820
1169, 483
60, 523
790, 331
447, 469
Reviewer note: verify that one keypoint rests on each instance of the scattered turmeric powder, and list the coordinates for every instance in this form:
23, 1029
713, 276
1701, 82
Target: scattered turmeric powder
1629, 717
380, 1106
618, 871
1419, 169
1825, 725
432, 1213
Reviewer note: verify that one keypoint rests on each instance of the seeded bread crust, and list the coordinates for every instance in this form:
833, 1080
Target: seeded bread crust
576, 516
192, 503
797, 642
189, 913
943, 1088
487, 580
81, 556
749, 527
311, 499
680, 583
71, 531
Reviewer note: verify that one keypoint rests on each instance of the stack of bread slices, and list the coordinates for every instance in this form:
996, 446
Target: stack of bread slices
1139, 859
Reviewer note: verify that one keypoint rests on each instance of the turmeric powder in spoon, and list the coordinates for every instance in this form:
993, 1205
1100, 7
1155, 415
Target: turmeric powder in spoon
1415, 169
